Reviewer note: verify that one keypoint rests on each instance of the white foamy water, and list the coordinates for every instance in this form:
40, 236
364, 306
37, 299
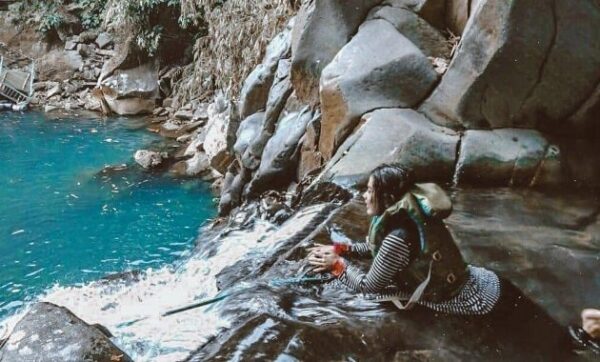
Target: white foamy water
173, 337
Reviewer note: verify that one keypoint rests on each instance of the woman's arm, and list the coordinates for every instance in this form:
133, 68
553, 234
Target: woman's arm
393, 256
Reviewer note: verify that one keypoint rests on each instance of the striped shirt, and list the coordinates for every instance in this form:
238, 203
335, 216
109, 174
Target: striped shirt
478, 296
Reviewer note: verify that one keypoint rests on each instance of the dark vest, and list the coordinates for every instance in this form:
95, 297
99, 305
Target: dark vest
436, 250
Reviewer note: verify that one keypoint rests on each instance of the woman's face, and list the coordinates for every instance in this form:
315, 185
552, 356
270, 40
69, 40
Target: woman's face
369, 196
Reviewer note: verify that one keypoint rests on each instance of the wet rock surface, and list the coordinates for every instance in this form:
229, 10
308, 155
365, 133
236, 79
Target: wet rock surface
52, 333
494, 229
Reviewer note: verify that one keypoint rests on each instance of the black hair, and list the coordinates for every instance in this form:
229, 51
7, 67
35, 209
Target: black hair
390, 183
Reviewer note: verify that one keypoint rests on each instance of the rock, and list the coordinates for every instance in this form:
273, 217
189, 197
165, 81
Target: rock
320, 192
58, 65
220, 137
201, 111
194, 166
49, 108
431, 42
570, 73
52, 333
235, 179
500, 157
321, 29
311, 159
89, 74
280, 157
434, 12
149, 159
132, 91
368, 74
88, 36
395, 135
278, 95
248, 130
457, 14
103, 40
84, 50
53, 91
517, 75
167, 102
70, 45
185, 115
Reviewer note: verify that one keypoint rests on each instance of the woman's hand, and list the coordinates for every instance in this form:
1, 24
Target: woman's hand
319, 249
322, 259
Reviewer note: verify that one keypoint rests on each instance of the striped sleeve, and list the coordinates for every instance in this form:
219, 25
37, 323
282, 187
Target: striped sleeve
359, 250
393, 256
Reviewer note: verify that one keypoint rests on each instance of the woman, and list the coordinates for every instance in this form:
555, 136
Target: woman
415, 257
416, 260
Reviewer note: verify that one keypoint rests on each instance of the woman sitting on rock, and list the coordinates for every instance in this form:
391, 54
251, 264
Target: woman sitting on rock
415, 258
417, 262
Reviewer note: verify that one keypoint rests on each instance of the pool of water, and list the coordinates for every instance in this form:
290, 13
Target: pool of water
62, 222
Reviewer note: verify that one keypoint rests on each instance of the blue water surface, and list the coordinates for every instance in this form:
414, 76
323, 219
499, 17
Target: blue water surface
64, 221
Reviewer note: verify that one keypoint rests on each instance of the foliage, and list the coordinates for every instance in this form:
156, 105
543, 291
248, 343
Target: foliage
237, 34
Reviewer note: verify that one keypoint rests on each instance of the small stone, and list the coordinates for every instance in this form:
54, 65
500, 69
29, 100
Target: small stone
70, 45
103, 40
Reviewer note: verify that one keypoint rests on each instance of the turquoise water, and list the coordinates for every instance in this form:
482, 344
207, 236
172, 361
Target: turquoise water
62, 222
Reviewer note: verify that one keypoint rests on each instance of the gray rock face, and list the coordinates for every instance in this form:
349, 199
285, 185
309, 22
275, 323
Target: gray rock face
280, 157
248, 130
395, 135
321, 29
132, 91
52, 333
522, 73
278, 95
255, 90
427, 38
503, 157
369, 73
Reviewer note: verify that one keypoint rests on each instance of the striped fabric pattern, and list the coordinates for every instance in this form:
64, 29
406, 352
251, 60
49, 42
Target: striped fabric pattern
478, 296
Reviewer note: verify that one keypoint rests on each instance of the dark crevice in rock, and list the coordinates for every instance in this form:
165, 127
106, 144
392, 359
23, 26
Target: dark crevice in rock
456, 176
483, 122
542, 67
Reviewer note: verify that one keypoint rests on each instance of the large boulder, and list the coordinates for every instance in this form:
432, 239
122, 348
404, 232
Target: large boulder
132, 91
321, 29
395, 135
522, 63
278, 96
50, 333
427, 38
280, 157
369, 73
503, 157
